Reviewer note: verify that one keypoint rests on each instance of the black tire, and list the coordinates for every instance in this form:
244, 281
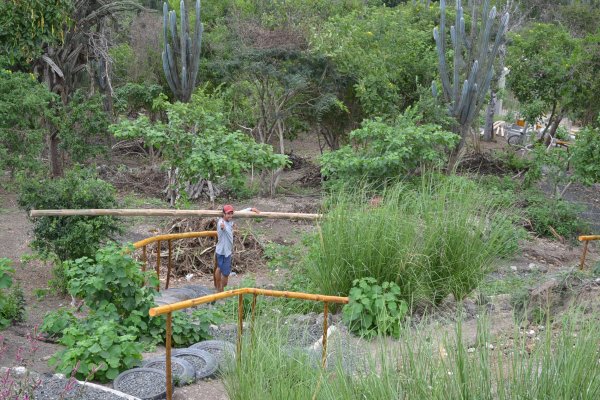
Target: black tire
514, 140
205, 363
223, 351
155, 377
183, 375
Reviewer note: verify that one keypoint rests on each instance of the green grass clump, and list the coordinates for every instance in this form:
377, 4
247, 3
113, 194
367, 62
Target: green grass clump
439, 238
562, 364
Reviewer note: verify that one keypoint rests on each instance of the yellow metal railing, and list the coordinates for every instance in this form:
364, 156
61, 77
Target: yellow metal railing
169, 238
169, 308
586, 239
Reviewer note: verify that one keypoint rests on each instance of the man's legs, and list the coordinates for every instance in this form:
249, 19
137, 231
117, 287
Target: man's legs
222, 271
216, 275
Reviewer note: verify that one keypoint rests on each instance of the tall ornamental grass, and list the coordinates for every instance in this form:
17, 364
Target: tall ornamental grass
563, 364
437, 238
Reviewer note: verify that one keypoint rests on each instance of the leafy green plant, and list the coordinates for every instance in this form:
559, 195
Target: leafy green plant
382, 151
23, 103
100, 345
111, 278
74, 236
12, 300
547, 214
192, 329
197, 142
111, 337
55, 322
586, 155
375, 309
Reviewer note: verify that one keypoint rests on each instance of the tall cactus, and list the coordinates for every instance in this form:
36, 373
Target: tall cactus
473, 62
181, 59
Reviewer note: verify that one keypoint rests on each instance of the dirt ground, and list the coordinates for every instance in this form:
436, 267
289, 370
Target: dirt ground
15, 234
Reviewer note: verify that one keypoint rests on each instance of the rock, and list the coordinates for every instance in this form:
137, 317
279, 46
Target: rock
531, 333
514, 268
532, 267
471, 350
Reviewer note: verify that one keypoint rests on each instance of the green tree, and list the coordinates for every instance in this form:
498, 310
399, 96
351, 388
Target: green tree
542, 68
26, 25
74, 236
196, 142
23, 105
386, 52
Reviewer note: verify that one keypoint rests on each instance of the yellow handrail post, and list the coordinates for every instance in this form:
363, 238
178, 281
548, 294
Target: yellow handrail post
168, 359
144, 259
170, 265
325, 312
240, 326
585, 247
252, 320
158, 265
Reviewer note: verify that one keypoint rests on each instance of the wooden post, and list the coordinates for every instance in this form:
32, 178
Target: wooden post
240, 326
253, 310
144, 259
325, 312
585, 247
168, 359
170, 265
158, 265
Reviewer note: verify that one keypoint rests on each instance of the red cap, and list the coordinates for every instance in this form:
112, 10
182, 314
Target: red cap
227, 208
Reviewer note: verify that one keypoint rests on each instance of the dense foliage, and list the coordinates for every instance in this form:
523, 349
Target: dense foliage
74, 236
380, 151
197, 142
438, 238
12, 303
375, 309
586, 155
112, 336
23, 105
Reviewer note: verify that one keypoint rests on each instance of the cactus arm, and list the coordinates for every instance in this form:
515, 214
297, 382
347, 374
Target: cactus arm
440, 39
166, 69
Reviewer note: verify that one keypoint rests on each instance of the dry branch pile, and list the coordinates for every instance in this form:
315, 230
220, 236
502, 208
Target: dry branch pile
197, 255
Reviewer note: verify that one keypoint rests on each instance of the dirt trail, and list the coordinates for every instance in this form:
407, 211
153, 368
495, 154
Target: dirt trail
15, 235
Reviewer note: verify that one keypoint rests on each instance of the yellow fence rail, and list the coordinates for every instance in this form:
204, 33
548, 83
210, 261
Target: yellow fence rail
170, 308
143, 244
586, 239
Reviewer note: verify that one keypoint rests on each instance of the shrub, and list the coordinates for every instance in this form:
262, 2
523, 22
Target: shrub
74, 236
375, 309
586, 155
546, 214
382, 151
437, 239
110, 339
12, 301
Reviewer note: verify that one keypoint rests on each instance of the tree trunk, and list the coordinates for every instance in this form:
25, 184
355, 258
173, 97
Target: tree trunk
54, 153
553, 128
488, 130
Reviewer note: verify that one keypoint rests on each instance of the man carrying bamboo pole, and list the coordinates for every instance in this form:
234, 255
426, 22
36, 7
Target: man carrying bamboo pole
224, 249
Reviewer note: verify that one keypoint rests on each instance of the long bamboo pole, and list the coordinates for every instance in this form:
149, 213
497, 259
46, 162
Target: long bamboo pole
230, 293
157, 212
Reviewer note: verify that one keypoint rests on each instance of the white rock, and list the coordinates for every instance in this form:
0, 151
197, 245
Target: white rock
531, 333
514, 268
532, 266
489, 346
189, 277
471, 350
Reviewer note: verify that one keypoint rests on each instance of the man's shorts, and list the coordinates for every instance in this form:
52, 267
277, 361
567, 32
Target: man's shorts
224, 264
